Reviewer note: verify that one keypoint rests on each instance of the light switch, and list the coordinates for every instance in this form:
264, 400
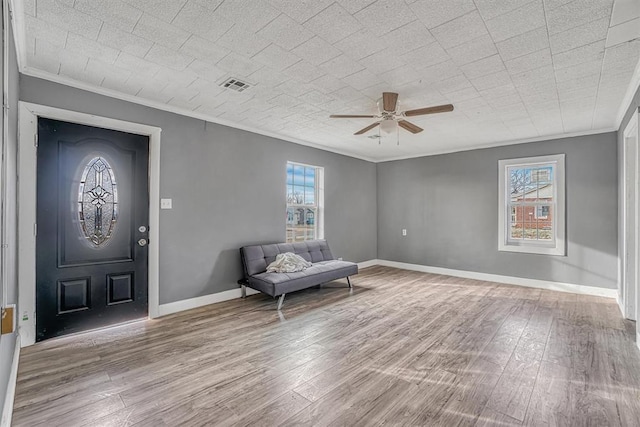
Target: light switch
404, 231
165, 204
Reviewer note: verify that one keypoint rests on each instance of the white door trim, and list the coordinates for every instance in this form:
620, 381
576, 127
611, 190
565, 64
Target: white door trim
28, 128
629, 298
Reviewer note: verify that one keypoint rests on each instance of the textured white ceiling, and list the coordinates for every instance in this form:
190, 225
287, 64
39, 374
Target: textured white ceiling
514, 69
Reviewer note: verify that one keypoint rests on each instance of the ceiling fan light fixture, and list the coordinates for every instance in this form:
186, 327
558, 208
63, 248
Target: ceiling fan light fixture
388, 126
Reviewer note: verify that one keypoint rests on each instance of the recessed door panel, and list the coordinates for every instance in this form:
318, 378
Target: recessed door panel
120, 288
74, 295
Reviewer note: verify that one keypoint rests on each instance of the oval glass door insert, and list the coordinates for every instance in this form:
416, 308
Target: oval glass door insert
97, 201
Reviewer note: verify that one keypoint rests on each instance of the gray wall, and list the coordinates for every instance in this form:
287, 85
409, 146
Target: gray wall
7, 342
228, 190
449, 206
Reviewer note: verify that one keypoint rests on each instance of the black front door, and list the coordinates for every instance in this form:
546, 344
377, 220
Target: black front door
92, 226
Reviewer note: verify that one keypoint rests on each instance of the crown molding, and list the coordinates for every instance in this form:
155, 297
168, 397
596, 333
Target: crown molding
501, 144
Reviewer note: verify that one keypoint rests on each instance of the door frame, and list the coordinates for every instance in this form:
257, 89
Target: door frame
28, 114
629, 299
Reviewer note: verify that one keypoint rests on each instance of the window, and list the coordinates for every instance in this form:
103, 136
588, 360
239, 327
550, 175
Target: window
305, 200
531, 205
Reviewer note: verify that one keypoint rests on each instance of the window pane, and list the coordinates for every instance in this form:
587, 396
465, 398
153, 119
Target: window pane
289, 174
530, 193
290, 216
309, 195
519, 178
310, 177
516, 222
545, 222
298, 195
531, 184
298, 175
298, 216
299, 234
545, 192
310, 217
530, 231
290, 198
542, 175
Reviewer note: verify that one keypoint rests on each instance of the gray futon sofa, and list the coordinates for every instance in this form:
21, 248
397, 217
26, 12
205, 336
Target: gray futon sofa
325, 268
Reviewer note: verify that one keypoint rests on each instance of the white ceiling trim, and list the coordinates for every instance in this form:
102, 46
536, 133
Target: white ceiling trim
503, 143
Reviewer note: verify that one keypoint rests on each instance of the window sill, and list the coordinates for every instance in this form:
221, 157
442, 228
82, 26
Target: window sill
532, 249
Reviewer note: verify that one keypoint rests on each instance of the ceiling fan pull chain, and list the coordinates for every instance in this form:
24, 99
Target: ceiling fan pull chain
398, 134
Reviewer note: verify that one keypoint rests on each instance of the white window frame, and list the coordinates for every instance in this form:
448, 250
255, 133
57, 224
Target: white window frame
318, 221
558, 245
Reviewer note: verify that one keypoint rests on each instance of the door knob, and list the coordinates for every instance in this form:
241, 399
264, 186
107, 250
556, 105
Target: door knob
142, 242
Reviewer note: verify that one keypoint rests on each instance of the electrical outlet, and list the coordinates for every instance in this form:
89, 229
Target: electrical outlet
404, 231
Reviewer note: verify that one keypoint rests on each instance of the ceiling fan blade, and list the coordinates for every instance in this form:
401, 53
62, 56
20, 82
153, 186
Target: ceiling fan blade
367, 129
409, 126
389, 101
350, 116
429, 110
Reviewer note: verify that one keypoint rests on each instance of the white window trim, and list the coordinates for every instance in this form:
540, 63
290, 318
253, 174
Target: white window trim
319, 197
559, 246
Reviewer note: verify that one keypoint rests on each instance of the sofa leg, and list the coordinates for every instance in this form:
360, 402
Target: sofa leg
349, 282
244, 291
280, 301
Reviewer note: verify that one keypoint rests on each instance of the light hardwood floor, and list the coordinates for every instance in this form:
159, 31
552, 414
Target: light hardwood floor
402, 348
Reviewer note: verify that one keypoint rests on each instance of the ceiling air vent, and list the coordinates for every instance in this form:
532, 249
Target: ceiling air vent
235, 84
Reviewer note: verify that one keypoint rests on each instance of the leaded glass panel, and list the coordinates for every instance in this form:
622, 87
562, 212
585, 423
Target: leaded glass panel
97, 201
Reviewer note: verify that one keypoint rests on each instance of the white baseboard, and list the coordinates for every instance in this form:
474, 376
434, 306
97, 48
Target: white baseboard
509, 280
620, 304
370, 263
7, 409
187, 304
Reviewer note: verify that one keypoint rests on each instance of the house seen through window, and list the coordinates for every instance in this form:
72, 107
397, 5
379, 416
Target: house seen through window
532, 205
304, 202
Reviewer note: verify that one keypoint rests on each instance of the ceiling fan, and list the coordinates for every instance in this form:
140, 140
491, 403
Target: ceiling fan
389, 119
